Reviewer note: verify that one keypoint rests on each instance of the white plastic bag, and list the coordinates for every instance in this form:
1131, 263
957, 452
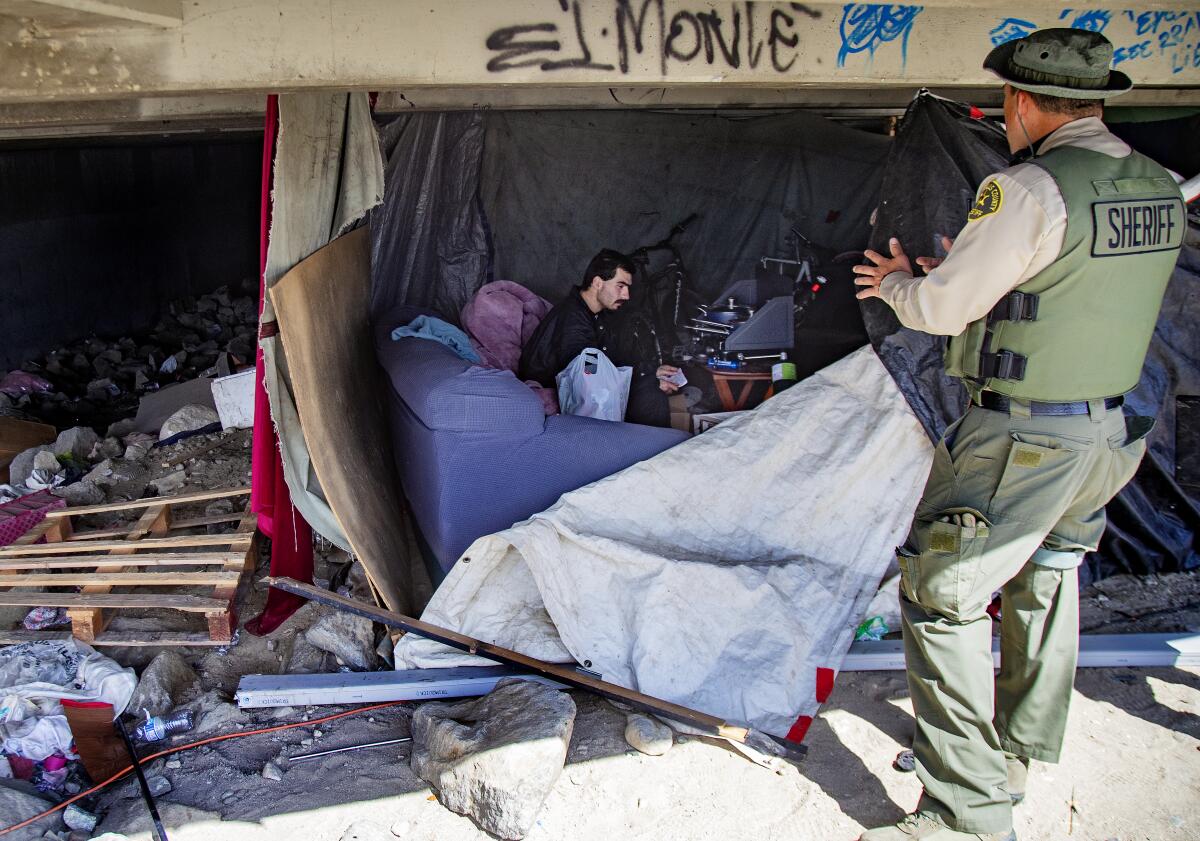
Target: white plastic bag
593, 387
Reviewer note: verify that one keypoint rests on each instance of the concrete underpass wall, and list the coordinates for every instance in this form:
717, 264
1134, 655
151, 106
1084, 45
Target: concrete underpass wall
96, 239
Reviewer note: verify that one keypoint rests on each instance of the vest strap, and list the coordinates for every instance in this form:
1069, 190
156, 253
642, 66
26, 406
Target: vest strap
1015, 306
1004, 365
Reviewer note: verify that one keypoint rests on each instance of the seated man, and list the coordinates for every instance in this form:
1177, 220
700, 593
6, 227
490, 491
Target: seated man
578, 322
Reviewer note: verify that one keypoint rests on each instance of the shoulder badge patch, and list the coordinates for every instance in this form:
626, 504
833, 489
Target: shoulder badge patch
989, 201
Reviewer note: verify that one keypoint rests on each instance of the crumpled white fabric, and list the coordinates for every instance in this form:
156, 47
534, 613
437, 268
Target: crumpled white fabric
719, 574
36, 676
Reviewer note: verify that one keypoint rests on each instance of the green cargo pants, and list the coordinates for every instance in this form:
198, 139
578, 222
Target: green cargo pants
1036, 488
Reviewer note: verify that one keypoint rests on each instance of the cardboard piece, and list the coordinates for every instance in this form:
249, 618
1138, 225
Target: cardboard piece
338, 386
157, 406
17, 436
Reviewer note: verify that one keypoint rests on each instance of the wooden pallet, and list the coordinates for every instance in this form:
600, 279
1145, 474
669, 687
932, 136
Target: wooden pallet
139, 556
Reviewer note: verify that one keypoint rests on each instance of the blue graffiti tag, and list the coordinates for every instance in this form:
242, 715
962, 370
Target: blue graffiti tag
1010, 29
867, 25
1094, 20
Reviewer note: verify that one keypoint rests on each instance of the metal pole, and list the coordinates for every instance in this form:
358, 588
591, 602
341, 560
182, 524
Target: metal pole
159, 832
306, 756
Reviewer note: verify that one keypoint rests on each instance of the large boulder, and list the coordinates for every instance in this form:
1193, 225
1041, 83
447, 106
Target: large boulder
76, 442
79, 493
21, 467
165, 683
495, 758
348, 637
189, 418
17, 806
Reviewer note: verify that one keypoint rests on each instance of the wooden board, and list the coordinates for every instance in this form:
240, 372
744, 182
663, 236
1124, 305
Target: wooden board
134, 639
183, 541
17, 436
322, 305
147, 601
177, 499
127, 579
100, 562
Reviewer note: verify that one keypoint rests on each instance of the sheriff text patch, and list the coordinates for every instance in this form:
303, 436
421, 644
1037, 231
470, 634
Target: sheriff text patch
1136, 226
989, 201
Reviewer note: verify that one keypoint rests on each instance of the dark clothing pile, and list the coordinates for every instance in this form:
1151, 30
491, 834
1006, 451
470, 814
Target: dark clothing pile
564, 333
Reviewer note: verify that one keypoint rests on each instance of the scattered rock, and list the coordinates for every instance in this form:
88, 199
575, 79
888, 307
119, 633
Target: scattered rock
647, 734
173, 764
80, 493
106, 448
137, 445
219, 508
306, 658
348, 637
21, 466
496, 758
79, 818
77, 442
188, 419
271, 771
46, 460
165, 684
101, 474
121, 428
213, 712
159, 785
17, 806
172, 483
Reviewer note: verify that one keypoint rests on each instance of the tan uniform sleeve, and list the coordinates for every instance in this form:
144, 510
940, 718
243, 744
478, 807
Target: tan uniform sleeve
1003, 244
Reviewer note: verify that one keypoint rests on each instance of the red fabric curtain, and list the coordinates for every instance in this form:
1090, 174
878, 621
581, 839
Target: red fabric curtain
278, 519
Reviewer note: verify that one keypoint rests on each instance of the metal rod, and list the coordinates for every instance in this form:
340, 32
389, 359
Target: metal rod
159, 832
709, 724
306, 756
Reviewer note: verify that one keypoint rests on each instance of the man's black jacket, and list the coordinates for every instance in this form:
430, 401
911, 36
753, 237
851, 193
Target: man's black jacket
563, 334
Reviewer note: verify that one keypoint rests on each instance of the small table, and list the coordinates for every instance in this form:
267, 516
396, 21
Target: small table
723, 380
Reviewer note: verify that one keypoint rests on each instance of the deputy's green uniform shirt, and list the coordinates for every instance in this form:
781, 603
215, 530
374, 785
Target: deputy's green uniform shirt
1033, 487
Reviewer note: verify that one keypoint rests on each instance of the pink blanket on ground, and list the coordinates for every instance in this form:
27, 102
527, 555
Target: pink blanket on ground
500, 318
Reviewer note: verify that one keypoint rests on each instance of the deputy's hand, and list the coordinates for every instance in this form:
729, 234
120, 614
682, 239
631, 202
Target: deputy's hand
871, 276
928, 264
666, 371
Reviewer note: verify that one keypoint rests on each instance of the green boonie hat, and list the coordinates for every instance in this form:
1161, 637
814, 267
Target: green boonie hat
1071, 63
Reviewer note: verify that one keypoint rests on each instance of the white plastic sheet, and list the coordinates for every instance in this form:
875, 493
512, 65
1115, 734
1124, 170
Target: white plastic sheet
721, 574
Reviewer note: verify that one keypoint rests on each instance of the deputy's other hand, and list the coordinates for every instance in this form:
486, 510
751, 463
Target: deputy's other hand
928, 264
666, 371
871, 276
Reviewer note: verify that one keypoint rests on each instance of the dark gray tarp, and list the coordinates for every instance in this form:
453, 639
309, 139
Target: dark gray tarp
551, 188
429, 244
560, 185
943, 151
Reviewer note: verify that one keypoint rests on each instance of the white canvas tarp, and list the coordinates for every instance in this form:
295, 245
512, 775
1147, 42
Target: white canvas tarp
721, 574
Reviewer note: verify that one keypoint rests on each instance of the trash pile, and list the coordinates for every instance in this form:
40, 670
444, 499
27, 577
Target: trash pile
94, 382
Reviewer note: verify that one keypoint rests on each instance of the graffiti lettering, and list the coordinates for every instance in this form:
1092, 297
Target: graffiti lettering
714, 34
677, 30
1010, 29
627, 20
1095, 20
866, 26
703, 33
505, 42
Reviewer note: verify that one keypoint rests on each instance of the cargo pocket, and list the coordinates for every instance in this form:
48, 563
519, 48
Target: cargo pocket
940, 565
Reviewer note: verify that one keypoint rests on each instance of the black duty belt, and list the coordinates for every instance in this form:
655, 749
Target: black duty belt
1000, 403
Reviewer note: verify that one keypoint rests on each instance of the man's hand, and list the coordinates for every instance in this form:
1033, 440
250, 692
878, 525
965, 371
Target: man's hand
928, 264
666, 371
871, 276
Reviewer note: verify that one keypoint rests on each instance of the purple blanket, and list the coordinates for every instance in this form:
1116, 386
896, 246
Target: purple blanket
500, 318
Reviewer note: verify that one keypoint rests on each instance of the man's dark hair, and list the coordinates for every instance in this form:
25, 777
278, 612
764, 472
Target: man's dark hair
605, 265
1066, 105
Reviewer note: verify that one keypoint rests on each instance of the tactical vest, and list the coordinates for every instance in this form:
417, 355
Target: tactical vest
1079, 329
